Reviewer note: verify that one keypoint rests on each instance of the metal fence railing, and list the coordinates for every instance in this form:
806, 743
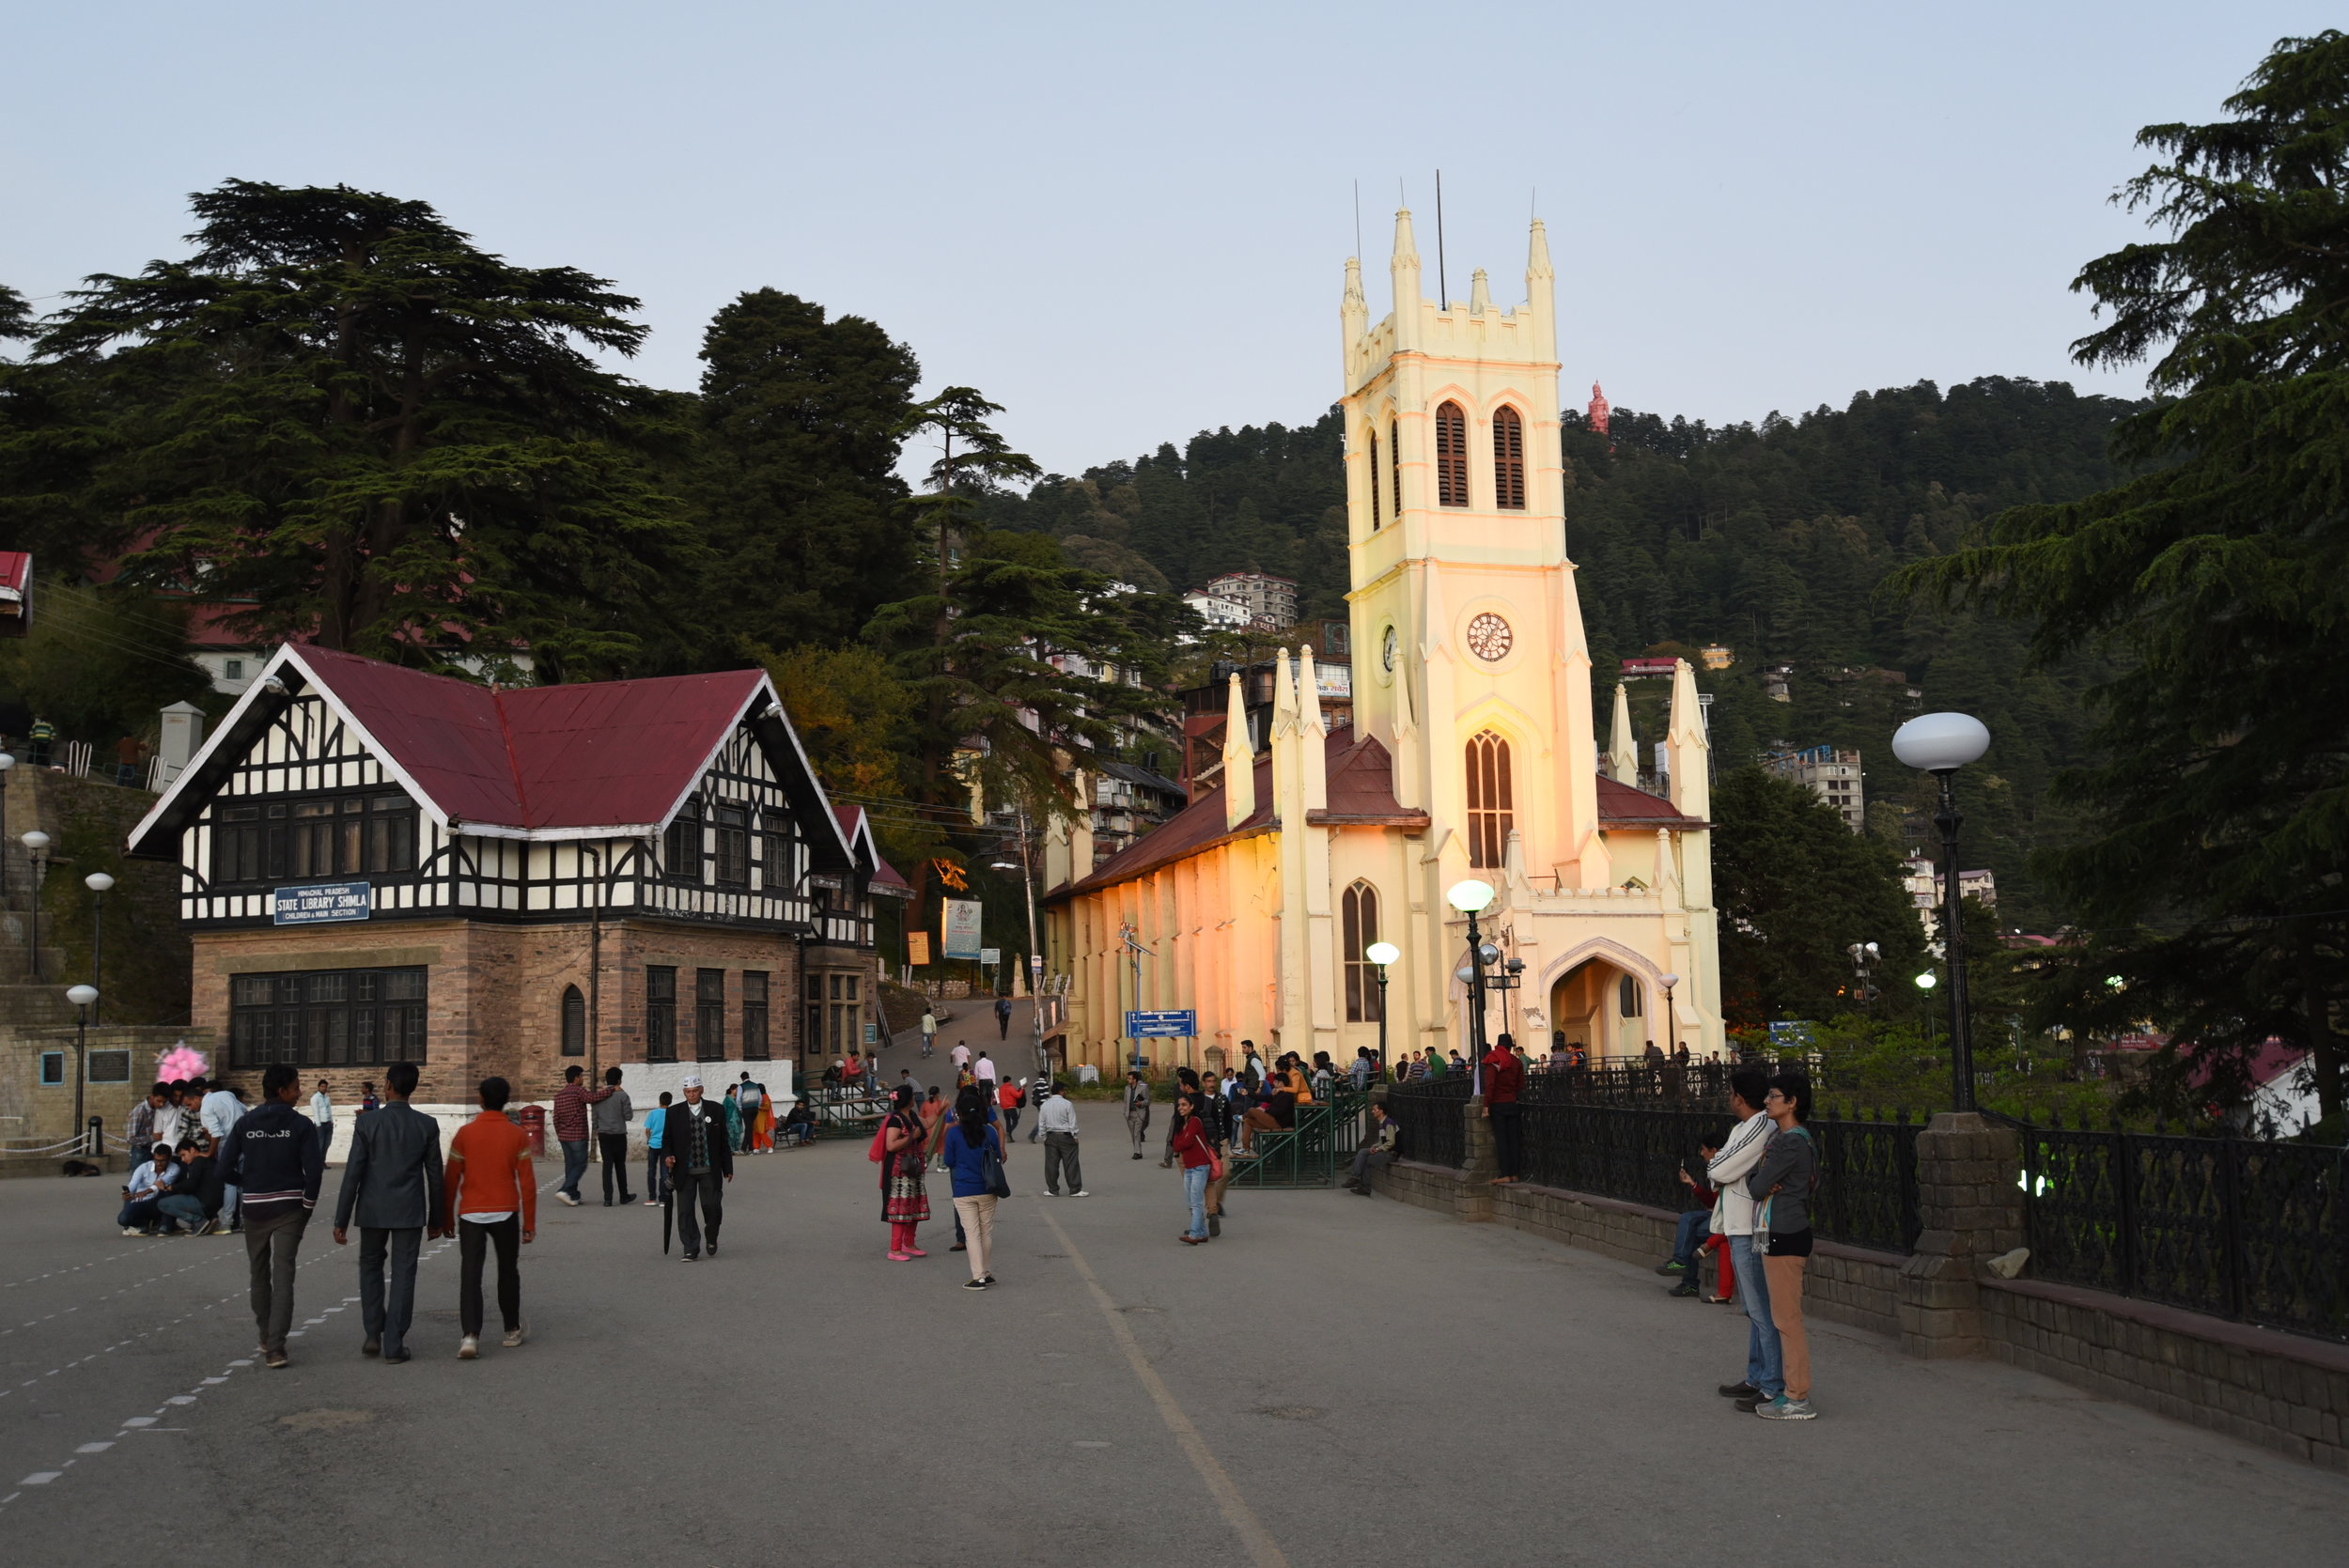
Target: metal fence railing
2240, 1228
1702, 1083
1430, 1113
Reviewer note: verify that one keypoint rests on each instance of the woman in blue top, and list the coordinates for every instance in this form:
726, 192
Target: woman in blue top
966, 1146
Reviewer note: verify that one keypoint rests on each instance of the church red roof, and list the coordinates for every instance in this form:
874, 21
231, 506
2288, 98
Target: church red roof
1621, 806
1361, 794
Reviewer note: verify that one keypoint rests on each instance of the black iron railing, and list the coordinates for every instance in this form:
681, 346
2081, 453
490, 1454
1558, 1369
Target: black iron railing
1696, 1083
2241, 1227
1867, 1193
1432, 1114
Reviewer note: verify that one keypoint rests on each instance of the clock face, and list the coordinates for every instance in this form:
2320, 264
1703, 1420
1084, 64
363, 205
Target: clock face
1386, 650
1488, 638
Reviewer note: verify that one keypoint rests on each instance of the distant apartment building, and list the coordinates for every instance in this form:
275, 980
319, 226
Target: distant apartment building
1271, 601
1219, 611
1833, 776
1923, 879
1715, 656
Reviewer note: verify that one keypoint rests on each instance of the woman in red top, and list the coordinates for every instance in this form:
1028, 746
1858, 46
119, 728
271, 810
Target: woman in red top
1189, 1141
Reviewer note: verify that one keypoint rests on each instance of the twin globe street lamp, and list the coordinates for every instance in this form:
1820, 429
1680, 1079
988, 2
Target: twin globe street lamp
1940, 744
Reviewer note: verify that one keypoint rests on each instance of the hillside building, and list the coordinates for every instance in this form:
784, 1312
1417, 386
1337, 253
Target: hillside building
1834, 776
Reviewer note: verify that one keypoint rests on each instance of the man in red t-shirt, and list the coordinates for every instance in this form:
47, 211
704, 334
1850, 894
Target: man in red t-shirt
1504, 1079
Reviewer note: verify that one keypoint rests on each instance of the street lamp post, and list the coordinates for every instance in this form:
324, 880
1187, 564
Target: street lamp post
1925, 984
1863, 958
83, 997
1940, 744
1381, 955
6, 761
98, 883
36, 842
1469, 897
1671, 1019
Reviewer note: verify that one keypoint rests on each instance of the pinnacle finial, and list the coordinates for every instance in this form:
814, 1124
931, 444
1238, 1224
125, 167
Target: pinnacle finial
1479, 293
1537, 252
1405, 247
1353, 280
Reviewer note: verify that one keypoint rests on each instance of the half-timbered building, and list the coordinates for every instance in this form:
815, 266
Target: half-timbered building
379, 866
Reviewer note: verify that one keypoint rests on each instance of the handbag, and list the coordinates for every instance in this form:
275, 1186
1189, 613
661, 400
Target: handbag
991, 1169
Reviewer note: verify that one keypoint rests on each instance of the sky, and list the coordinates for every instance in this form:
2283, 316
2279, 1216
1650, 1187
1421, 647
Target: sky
1126, 223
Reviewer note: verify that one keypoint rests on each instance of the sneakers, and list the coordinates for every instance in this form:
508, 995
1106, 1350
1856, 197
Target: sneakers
568, 1199
278, 1360
1050, 1193
1784, 1409
900, 1257
652, 1203
1674, 1267
133, 1230
1080, 1192
515, 1336
469, 1347
975, 1284
1684, 1288
1739, 1391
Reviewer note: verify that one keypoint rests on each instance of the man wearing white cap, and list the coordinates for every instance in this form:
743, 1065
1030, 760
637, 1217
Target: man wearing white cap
693, 1145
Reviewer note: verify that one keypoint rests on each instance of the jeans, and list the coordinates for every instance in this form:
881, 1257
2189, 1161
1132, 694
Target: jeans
1011, 1121
1060, 1153
614, 1150
977, 1217
1689, 1240
1761, 1346
188, 1211
1364, 1159
230, 1195
386, 1311
1196, 1191
326, 1137
473, 1241
270, 1246
141, 1213
656, 1174
574, 1165
708, 1188
1508, 1137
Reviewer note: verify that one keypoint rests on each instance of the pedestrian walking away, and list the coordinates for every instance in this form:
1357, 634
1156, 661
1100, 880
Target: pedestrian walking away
570, 1131
749, 1100
984, 1070
1733, 1218
960, 1054
1137, 1108
656, 1173
1056, 1118
1504, 1080
969, 1141
902, 1149
323, 1113
274, 1159
612, 1113
1009, 1098
391, 1185
493, 1196
1002, 1017
694, 1147
1782, 1182
1199, 1162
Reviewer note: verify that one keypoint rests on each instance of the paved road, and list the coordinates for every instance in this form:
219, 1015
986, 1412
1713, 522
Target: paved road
1334, 1382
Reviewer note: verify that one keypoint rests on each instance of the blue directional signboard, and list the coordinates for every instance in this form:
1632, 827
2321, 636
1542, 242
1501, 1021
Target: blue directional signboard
1181, 1024
321, 902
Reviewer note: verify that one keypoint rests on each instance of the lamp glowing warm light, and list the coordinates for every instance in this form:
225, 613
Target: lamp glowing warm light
1382, 954
1927, 981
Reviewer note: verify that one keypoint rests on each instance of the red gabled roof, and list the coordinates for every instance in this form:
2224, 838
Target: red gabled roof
619, 755
858, 828
1621, 806
1361, 793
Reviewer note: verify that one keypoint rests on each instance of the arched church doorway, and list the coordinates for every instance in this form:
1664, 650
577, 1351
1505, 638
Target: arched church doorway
1601, 1007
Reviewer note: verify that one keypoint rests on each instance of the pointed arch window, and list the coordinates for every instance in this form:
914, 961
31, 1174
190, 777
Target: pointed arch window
1452, 487
1628, 1000
1359, 929
1491, 812
1394, 464
574, 1022
1508, 459
1374, 481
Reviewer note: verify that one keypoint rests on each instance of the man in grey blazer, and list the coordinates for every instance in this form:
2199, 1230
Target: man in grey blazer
392, 1179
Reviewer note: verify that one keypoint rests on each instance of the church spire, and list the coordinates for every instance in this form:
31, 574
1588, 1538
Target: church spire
1479, 293
1406, 270
1541, 292
1313, 758
1239, 760
1353, 310
1688, 747
1623, 751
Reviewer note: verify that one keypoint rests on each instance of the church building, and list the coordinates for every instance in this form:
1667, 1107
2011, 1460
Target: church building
380, 865
1471, 755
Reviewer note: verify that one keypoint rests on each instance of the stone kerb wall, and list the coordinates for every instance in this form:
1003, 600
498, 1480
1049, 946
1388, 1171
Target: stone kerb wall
2283, 1391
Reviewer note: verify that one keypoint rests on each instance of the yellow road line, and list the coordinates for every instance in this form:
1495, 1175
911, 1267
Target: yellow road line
1236, 1511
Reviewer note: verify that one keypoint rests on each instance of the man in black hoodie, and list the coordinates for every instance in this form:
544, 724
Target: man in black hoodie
272, 1156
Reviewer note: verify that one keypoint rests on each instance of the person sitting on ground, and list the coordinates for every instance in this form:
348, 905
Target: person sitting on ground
1695, 1231
193, 1201
1378, 1149
799, 1125
143, 1195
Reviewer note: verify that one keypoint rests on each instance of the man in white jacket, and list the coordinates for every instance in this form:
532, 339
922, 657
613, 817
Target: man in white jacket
1733, 1218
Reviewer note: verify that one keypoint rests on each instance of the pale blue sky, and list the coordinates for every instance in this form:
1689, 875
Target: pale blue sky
1129, 224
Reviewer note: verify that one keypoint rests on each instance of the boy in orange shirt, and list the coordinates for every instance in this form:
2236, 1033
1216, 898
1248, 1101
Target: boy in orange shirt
492, 1200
